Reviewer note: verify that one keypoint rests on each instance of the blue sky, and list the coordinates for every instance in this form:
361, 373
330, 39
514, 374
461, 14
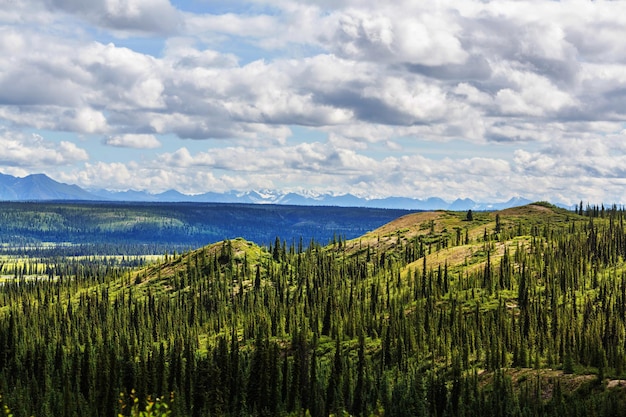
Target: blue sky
455, 99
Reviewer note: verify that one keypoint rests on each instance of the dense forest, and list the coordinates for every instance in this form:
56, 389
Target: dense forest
116, 228
520, 312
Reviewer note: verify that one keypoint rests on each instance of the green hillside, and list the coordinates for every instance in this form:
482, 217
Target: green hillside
517, 312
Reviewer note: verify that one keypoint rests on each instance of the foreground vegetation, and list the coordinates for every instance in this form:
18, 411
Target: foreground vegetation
519, 312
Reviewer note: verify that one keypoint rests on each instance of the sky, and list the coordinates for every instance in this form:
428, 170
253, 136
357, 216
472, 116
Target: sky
485, 100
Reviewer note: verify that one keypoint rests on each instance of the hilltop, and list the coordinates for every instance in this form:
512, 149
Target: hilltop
438, 230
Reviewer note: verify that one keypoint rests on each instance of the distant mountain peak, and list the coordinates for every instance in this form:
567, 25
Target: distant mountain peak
37, 187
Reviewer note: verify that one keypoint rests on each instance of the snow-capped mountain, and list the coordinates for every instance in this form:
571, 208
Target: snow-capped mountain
310, 199
40, 187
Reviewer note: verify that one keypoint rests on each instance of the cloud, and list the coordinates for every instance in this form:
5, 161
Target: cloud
79, 120
397, 35
286, 26
136, 141
34, 151
118, 176
183, 52
529, 94
231, 24
124, 16
540, 84
479, 64
330, 167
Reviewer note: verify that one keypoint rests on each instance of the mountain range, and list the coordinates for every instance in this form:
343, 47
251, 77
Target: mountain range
39, 187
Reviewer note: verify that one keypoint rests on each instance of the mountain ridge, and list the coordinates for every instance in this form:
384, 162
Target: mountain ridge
40, 187
296, 199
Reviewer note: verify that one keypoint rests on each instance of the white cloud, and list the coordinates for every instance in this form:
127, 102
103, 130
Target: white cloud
83, 120
72, 152
231, 24
414, 101
183, 52
123, 177
34, 151
531, 94
397, 35
124, 16
136, 141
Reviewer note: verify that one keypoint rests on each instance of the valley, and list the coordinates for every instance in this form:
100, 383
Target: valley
139, 228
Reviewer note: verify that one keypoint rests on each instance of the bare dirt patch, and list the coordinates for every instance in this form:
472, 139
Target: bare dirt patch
614, 383
546, 378
405, 228
526, 210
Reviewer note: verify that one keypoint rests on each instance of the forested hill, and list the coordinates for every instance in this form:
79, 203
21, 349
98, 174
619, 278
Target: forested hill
518, 312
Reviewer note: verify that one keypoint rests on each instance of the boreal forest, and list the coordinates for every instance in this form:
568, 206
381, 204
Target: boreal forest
520, 312
134, 228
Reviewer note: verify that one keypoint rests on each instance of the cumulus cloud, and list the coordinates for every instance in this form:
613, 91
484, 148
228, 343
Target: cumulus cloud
34, 151
396, 35
136, 141
231, 24
117, 176
305, 158
143, 16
